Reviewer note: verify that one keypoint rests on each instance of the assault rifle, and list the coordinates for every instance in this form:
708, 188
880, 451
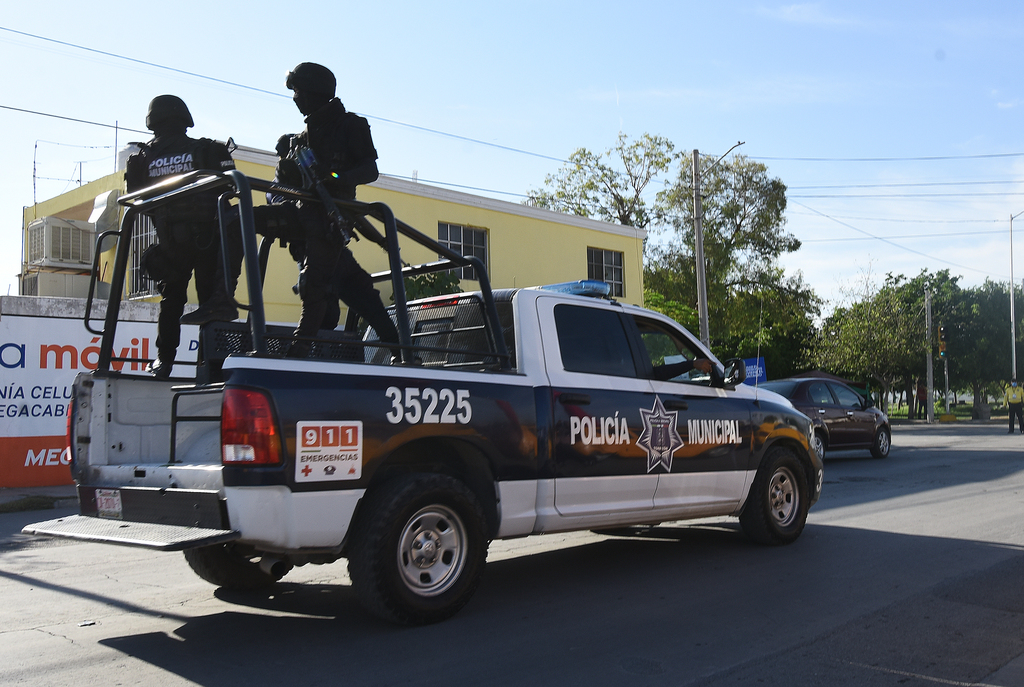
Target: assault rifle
306, 162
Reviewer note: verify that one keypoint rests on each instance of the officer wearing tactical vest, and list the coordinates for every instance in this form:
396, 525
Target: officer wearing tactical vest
1015, 403
187, 231
341, 144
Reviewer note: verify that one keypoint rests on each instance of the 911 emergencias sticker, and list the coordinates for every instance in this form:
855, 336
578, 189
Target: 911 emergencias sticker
329, 451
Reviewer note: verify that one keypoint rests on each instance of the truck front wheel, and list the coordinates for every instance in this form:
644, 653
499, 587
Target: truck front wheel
231, 567
777, 504
420, 549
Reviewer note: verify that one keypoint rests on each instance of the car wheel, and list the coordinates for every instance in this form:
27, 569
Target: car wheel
776, 507
420, 550
230, 566
882, 443
819, 445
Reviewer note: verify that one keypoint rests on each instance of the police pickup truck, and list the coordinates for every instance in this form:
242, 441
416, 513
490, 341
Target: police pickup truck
500, 414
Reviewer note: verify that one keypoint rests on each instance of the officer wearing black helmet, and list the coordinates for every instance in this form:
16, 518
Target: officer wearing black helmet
187, 232
346, 157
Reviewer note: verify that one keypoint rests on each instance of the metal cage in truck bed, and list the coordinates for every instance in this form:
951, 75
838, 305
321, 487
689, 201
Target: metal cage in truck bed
460, 330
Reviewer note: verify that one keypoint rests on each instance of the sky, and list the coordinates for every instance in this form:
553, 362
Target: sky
896, 126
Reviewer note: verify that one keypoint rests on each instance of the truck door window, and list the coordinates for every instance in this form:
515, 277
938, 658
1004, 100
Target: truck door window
593, 341
669, 354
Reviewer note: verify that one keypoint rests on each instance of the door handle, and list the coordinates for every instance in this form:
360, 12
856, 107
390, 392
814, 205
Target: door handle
676, 405
821, 411
574, 399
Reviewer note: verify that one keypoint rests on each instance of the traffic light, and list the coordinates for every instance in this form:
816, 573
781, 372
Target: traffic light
942, 341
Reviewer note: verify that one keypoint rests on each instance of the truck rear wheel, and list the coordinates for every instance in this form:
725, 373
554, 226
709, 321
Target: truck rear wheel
776, 508
228, 566
420, 550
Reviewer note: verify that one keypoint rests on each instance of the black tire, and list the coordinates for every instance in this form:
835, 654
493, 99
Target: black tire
420, 549
228, 566
776, 508
882, 443
819, 445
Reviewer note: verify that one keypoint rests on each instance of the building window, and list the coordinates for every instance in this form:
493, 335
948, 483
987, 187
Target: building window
143, 236
606, 265
464, 241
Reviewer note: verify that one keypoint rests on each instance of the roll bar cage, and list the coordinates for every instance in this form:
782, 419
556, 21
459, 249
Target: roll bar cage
233, 185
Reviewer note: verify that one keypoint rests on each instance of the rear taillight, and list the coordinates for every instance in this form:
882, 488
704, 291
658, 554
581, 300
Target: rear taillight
248, 433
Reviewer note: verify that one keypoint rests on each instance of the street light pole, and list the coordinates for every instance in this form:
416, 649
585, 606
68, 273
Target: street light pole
698, 249
1013, 316
698, 244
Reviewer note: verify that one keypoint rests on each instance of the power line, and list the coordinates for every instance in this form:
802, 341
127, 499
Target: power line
892, 243
909, 184
908, 221
274, 93
72, 119
926, 158
905, 236
907, 195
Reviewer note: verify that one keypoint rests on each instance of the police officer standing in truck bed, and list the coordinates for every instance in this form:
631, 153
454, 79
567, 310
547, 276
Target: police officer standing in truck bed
187, 231
345, 156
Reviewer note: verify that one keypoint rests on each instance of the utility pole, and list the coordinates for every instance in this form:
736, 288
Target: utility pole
698, 241
930, 405
1013, 318
698, 244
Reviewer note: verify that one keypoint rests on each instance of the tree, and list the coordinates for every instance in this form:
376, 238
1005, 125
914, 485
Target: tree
590, 186
878, 337
978, 340
753, 306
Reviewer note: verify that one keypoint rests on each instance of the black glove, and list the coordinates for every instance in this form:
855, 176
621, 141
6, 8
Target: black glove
288, 173
297, 250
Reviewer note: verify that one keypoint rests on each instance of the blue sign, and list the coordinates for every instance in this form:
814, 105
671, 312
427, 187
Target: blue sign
756, 374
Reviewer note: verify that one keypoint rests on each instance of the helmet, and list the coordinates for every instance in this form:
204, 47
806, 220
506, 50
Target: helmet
167, 108
312, 77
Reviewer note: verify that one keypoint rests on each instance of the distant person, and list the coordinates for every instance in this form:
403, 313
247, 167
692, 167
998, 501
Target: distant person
922, 400
188, 237
1014, 401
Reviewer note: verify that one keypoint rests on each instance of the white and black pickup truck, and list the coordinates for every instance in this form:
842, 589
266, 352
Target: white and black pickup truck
507, 413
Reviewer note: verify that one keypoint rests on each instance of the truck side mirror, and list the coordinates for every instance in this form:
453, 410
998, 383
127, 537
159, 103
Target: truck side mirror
735, 372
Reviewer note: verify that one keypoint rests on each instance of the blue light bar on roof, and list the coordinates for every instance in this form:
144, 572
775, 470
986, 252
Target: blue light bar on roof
583, 287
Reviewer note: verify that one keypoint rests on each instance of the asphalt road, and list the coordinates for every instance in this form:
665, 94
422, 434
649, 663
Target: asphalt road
908, 573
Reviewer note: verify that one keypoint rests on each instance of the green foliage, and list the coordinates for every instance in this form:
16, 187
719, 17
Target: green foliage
680, 312
878, 337
589, 186
431, 284
754, 308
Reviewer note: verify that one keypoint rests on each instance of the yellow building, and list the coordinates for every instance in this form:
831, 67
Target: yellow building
520, 245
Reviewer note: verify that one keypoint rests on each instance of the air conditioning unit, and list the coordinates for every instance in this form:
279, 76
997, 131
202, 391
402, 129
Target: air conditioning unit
55, 284
55, 243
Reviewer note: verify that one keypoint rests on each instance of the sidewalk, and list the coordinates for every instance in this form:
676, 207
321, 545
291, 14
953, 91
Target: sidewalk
15, 499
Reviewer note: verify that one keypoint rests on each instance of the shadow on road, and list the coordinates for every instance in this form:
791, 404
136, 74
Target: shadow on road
682, 606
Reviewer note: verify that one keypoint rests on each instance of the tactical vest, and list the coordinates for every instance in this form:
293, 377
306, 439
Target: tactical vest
172, 156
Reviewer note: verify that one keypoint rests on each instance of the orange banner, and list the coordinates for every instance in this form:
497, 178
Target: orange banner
34, 461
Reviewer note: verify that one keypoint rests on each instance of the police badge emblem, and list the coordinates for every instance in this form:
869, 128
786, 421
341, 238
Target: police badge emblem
659, 438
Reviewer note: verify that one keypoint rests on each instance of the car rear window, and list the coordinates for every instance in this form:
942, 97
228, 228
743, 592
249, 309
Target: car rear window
781, 388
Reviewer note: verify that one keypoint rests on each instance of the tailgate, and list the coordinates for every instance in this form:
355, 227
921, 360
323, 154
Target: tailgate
163, 519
